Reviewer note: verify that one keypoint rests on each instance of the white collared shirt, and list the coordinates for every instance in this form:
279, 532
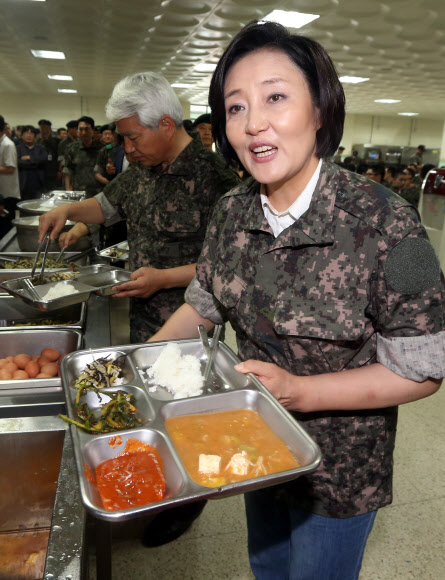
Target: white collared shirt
279, 221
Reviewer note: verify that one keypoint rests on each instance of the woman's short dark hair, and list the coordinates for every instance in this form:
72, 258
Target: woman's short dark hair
313, 62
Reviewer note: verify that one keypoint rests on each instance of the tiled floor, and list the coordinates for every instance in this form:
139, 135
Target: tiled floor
407, 542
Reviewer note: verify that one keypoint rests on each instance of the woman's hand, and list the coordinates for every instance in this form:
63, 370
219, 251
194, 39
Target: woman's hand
278, 381
143, 283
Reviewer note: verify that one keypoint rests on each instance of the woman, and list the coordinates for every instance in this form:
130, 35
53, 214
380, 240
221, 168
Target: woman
334, 292
32, 160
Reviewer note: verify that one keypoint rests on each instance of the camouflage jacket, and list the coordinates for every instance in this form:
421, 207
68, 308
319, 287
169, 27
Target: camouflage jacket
167, 214
79, 162
313, 301
108, 152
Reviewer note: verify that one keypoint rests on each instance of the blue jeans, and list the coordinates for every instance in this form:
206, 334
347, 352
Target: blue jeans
289, 543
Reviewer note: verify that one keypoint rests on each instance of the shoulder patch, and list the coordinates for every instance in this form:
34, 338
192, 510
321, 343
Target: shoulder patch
412, 266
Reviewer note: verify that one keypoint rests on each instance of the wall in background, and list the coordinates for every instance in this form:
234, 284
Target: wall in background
382, 130
59, 109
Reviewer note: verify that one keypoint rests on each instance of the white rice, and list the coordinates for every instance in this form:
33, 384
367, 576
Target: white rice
179, 374
59, 290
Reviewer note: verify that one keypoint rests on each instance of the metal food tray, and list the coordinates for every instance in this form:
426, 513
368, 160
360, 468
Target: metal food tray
14, 312
32, 342
105, 253
12, 273
235, 391
95, 279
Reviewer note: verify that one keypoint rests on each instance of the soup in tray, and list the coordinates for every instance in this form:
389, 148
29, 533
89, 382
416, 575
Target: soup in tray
228, 446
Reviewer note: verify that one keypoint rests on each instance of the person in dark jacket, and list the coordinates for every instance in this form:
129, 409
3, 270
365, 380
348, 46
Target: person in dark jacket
32, 159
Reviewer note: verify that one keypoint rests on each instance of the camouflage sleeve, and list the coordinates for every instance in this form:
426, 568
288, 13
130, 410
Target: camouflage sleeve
203, 302
100, 162
408, 294
110, 212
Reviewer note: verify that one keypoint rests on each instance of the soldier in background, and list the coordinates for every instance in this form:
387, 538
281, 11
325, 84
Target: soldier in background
417, 158
51, 145
70, 138
80, 159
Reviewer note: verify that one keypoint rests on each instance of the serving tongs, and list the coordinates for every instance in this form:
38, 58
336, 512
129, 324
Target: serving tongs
210, 352
44, 244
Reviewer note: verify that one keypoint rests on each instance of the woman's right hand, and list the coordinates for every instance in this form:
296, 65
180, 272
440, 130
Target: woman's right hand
56, 218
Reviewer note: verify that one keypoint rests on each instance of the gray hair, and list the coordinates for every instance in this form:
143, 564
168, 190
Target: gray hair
147, 95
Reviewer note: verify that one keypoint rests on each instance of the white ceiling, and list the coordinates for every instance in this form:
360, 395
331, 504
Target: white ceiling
398, 44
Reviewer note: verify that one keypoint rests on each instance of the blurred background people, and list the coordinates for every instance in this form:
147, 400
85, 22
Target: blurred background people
51, 145
32, 159
9, 177
376, 173
203, 126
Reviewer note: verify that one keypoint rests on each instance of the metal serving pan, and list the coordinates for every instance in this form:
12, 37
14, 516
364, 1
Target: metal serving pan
101, 278
16, 314
9, 273
120, 247
32, 342
236, 391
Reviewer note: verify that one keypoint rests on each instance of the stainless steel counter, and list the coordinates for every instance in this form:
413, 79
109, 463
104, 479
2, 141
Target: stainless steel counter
28, 414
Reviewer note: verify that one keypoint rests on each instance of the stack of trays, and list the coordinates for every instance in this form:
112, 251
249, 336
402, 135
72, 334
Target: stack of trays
96, 279
230, 390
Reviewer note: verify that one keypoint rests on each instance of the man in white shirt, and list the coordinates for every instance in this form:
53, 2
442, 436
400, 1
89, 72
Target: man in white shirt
9, 177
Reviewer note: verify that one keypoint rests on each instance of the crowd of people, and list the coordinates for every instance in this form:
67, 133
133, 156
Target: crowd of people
406, 180
329, 281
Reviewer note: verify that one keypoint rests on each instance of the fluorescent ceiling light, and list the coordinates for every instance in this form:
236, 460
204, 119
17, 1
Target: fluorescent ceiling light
353, 80
66, 91
181, 86
389, 101
408, 114
205, 67
48, 54
60, 77
290, 19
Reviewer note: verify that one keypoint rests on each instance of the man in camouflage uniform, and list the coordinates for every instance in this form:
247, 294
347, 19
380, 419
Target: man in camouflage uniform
355, 281
167, 214
51, 145
80, 160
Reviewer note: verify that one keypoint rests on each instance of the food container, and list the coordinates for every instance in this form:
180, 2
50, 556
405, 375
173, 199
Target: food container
101, 278
28, 236
37, 207
114, 253
236, 391
32, 342
9, 273
15, 315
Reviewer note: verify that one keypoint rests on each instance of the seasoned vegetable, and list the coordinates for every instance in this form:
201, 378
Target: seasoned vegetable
101, 373
118, 413
27, 263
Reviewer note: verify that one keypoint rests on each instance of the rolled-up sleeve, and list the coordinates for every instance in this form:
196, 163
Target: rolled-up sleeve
110, 212
203, 302
411, 296
416, 357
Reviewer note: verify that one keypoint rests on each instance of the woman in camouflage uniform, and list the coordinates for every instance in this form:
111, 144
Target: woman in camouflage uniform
333, 289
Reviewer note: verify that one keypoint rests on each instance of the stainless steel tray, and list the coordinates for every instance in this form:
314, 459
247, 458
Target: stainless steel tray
13, 313
32, 342
121, 246
236, 391
101, 278
12, 273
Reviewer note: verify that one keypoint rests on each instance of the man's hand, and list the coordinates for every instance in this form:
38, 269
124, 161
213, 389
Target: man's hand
56, 218
144, 282
110, 167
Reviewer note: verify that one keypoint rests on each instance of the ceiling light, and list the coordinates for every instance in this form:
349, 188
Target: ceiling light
205, 67
66, 91
60, 77
408, 114
181, 86
48, 54
290, 19
353, 80
389, 101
